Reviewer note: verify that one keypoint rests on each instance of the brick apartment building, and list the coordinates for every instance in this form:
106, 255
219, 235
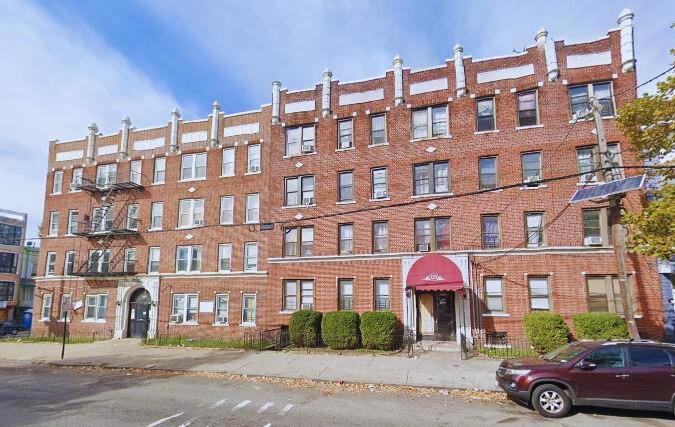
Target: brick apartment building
12, 235
422, 191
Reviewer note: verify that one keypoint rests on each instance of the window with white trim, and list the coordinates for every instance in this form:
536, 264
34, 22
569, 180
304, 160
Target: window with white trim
159, 174
57, 187
485, 115
378, 129
346, 236
53, 224
248, 309
596, 227
227, 167
99, 261
380, 237
102, 219
135, 171
95, 306
251, 256
222, 309
298, 247
539, 293
153, 259
346, 186
345, 294
487, 173
252, 208
225, 257
106, 175
193, 166
73, 219
50, 268
46, 311
580, 95
130, 260
381, 292
604, 294
300, 140
132, 216
298, 295
69, 265
532, 168
345, 134
299, 191
430, 122
527, 108
227, 209
380, 183
77, 180
534, 229
490, 231
494, 294
157, 215
184, 308
253, 158
432, 234
190, 213
431, 178
188, 259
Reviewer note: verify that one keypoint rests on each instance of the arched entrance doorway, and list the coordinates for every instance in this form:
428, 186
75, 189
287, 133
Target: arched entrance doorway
139, 314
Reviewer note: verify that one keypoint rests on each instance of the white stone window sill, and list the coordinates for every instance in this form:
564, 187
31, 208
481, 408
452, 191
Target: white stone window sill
499, 190
299, 206
483, 132
287, 312
153, 273
94, 321
346, 202
220, 324
251, 271
154, 229
69, 320
384, 199
378, 145
184, 323
431, 138
56, 194
534, 187
192, 179
496, 315
313, 153
337, 150
227, 223
422, 196
252, 222
45, 319
158, 183
68, 235
53, 235
529, 127
247, 325
187, 272
590, 119
189, 227
226, 176
252, 173
75, 191
587, 183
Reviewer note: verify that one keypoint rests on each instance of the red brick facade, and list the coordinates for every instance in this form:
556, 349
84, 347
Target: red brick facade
563, 259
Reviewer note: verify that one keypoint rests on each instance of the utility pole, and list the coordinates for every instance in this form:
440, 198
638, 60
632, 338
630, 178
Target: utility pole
618, 236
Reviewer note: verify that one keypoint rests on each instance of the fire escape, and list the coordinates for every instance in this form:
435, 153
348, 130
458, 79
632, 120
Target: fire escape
111, 229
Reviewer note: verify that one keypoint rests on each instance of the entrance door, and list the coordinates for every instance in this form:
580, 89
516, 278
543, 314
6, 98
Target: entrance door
139, 314
444, 316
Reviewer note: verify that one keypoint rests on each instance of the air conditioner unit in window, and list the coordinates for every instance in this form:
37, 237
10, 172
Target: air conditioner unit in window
177, 318
308, 200
346, 144
222, 319
589, 177
593, 240
74, 186
199, 222
531, 179
423, 248
380, 193
307, 148
254, 168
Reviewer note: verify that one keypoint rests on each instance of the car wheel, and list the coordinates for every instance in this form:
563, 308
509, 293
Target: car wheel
551, 401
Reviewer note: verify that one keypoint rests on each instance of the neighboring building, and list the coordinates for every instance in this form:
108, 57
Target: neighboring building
421, 191
12, 235
29, 263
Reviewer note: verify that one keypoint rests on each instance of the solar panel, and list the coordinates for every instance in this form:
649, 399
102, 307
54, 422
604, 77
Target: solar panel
609, 188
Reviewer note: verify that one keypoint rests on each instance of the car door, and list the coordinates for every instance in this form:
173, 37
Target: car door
653, 373
609, 379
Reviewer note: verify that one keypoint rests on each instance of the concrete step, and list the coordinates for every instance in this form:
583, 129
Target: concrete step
431, 345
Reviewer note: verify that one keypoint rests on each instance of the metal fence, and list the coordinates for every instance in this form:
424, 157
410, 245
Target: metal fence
496, 345
267, 339
57, 336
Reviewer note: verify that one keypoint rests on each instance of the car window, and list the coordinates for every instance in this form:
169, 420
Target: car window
651, 357
608, 357
566, 353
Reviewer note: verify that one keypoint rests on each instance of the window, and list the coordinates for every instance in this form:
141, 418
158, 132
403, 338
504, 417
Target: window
346, 294
57, 188
188, 259
346, 232
53, 224
222, 309
77, 180
66, 305
248, 309
539, 293
46, 311
99, 261
132, 216
378, 129
596, 223
69, 266
153, 259
224, 257
346, 186
381, 294
251, 256
6, 291
432, 234
184, 308
607, 357
227, 210
8, 262
95, 306
193, 166
10, 235
345, 134
490, 231
106, 175
485, 112
303, 247
531, 163
494, 296
298, 291
130, 260
102, 219
437, 116
579, 97
487, 173
252, 208
160, 170
135, 172
534, 229
73, 218
380, 237
191, 213
648, 357
300, 140
604, 294
431, 178
227, 168
588, 160
254, 158
300, 190
380, 186
157, 214
527, 108
51, 264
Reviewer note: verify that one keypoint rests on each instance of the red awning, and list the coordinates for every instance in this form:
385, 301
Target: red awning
434, 272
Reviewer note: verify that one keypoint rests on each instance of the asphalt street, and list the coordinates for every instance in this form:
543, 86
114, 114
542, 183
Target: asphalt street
34, 395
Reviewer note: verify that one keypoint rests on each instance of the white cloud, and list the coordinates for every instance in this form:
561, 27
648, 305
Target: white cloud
54, 82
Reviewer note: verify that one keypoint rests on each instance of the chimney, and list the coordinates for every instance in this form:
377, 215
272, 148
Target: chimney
398, 80
175, 116
276, 89
214, 124
91, 142
627, 47
325, 93
460, 79
543, 42
124, 142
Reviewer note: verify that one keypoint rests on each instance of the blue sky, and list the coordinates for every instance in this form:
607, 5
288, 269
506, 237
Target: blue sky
74, 62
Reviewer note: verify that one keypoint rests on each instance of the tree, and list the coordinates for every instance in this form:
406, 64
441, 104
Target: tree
649, 123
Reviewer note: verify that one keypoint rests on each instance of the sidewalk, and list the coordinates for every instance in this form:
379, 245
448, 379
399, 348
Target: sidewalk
432, 369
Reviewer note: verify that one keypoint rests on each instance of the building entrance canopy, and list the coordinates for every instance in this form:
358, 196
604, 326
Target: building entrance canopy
434, 272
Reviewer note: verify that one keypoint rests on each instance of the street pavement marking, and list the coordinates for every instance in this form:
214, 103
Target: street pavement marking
158, 422
286, 409
264, 407
218, 403
267, 425
186, 424
241, 405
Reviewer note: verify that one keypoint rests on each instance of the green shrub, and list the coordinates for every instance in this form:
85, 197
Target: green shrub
304, 328
340, 329
377, 330
546, 331
600, 326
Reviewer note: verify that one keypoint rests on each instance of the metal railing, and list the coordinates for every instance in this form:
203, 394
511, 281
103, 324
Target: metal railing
496, 345
264, 339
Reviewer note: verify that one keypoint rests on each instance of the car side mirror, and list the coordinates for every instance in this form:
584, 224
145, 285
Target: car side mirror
586, 365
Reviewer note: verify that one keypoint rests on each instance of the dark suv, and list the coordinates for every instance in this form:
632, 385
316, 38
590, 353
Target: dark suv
631, 375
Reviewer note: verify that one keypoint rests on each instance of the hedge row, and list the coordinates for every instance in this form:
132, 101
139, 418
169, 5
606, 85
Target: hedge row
343, 329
